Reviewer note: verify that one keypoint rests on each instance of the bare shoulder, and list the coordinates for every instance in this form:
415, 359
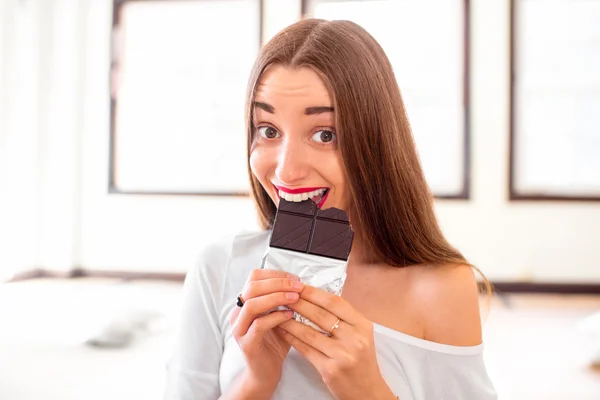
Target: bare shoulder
447, 299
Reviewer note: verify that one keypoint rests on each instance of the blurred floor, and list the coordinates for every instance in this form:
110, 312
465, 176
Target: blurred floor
43, 324
533, 349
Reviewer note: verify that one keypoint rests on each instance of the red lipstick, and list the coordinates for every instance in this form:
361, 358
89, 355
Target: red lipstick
297, 191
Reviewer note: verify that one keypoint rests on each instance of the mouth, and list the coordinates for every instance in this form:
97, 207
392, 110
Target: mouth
317, 195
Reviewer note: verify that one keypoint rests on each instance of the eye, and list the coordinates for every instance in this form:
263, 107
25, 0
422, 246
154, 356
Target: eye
324, 136
268, 133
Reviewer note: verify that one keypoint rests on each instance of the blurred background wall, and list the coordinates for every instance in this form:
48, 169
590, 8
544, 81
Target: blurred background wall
57, 213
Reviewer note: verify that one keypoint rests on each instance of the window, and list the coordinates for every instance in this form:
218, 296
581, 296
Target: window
178, 82
427, 44
555, 110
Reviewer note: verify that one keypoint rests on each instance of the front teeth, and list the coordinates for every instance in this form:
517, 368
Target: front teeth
301, 196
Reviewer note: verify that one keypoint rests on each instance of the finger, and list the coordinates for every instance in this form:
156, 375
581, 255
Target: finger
262, 324
336, 305
313, 338
271, 285
260, 305
234, 315
261, 273
320, 316
314, 356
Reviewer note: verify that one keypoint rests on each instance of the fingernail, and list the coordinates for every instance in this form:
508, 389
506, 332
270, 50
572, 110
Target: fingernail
289, 313
294, 277
297, 285
292, 296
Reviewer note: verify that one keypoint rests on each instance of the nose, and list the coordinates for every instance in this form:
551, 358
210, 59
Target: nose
292, 163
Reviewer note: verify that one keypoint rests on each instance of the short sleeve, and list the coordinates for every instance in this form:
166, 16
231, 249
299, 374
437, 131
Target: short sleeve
193, 367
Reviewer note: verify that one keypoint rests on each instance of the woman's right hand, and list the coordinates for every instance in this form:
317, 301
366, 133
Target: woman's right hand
262, 346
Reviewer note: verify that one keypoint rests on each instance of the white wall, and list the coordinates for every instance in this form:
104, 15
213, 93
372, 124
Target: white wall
18, 137
76, 223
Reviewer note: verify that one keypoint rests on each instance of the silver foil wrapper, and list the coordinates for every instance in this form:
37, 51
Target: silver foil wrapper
321, 272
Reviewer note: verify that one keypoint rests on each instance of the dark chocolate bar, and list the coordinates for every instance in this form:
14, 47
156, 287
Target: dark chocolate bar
303, 227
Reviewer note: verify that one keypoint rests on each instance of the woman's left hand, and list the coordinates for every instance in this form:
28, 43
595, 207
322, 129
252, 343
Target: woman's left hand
347, 359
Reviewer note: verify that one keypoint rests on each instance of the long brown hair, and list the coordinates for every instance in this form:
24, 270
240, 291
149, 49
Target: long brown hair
391, 206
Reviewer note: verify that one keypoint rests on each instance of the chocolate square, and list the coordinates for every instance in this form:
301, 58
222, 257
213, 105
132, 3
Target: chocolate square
331, 239
292, 232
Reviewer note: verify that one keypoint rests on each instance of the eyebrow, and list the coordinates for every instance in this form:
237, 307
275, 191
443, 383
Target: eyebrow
268, 108
308, 111
317, 110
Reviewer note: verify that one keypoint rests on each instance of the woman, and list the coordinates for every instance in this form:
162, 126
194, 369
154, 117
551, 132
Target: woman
324, 112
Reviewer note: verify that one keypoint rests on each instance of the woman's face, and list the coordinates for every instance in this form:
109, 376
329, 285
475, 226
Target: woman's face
295, 152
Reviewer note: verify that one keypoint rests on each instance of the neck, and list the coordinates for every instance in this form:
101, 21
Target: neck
358, 254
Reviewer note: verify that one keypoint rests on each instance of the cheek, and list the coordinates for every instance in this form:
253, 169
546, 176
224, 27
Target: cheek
256, 164
260, 164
